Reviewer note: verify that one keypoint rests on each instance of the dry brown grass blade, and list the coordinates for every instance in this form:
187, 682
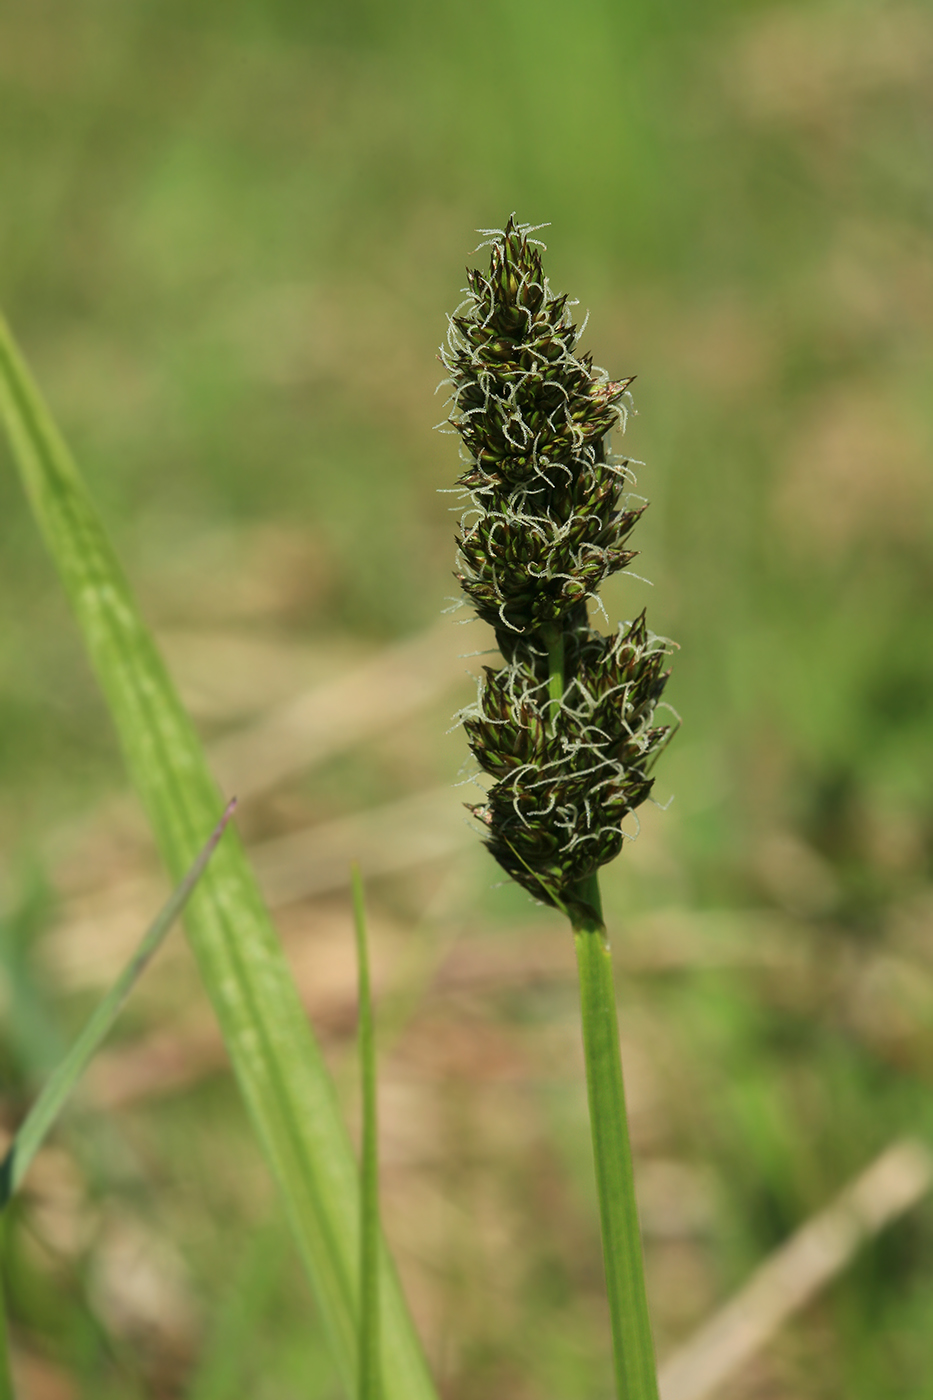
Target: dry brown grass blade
383, 839
315, 725
368, 700
893, 1183
97, 929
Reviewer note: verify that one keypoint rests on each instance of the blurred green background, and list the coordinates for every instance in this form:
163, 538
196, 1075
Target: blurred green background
229, 235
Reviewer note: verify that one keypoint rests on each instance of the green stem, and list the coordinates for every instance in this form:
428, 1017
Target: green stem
633, 1348
636, 1374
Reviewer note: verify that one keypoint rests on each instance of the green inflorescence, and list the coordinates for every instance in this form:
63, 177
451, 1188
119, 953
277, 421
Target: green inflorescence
549, 515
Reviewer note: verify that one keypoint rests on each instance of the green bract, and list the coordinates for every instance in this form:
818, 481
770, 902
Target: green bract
548, 520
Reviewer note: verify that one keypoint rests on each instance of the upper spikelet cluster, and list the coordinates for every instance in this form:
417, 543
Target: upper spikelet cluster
533, 416
548, 520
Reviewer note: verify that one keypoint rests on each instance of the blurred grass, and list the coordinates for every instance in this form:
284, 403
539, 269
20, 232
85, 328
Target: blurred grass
228, 237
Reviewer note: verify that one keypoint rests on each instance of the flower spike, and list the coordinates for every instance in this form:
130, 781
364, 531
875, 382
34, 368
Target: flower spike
566, 727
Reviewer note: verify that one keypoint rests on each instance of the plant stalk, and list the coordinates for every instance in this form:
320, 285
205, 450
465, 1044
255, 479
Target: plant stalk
633, 1347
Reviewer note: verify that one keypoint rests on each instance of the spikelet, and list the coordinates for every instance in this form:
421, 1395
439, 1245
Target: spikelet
548, 519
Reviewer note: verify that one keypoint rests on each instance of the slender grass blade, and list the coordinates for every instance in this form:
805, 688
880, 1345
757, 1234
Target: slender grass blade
44, 1112
369, 1385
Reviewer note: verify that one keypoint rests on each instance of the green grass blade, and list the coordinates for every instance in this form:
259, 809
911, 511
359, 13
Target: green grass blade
44, 1112
633, 1347
369, 1385
278, 1064
30, 1027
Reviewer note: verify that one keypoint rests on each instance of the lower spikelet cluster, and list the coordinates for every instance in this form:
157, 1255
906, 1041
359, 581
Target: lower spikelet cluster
547, 518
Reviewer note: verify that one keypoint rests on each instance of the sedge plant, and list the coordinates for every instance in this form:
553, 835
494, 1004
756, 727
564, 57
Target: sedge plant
566, 726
